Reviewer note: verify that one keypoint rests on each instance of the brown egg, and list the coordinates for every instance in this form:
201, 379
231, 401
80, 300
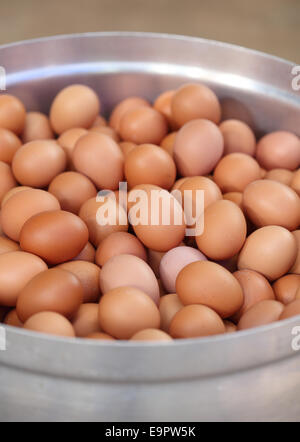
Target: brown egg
279, 149
151, 334
268, 202
283, 176
12, 192
255, 287
230, 327
295, 183
179, 183
109, 131
285, 288
129, 271
16, 270
238, 137
154, 260
119, 243
88, 274
75, 106
194, 101
37, 127
126, 310
36, 163
12, 113
168, 143
87, 254
100, 158
225, 231
208, 283
291, 310
195, 321
72, 189
124, 106
100, 337
263, 313
235, 171
103, 218
22, 206
68, 140
149, 164
55, 236
7, 245
7, 180
198, 147
50, 323
235, 197
157, 218
163, 104
99, 121
13, 320
86, 321
271, 251
296, 266
126, 147
9, 144
54, 290
168, 307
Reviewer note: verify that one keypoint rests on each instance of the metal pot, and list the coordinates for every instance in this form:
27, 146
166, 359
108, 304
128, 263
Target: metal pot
251, 375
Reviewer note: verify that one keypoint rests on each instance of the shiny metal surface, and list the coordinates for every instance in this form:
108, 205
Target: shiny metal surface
252, 375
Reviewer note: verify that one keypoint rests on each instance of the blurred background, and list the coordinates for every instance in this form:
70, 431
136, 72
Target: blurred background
271, 26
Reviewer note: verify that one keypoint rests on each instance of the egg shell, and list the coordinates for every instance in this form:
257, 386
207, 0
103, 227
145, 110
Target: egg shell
151, 334
13, 320
74, 106
12, 113
55, 290
7, 245
230, 326
163, 104
36, 163
99, 158
168, 307
124, 106
263, 313
208, 283
9, 144
125, 311
100, 337
268, 202
55, 236
88, 274
194, 321
68, 140
270, 250
295, 183
87, 254
285, 288
193, 101
174, 261
291, 310
198, 147
238, 137
86, 321
283, 176
225, 231
22, 206
279, 149
131, 271
119, 243
50, 323
12, 192
296, 267
168, 143
7, 180
16, 270
37, 127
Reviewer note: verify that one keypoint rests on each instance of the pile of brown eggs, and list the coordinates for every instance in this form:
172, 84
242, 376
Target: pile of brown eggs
66, 273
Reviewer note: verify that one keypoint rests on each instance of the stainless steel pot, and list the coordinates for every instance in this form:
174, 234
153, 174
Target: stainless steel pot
252, 375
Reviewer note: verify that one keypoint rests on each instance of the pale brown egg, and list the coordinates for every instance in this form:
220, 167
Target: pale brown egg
22, 206
295, 183
235, 197
296, 266
168, 143
7, 180
16, 270
7, 245
238, 137
68, 140
224, 232
193, 101
255, 287
37, 127
270, 250
126, 147
149, 164
163, 104
13, 320
100, 121
55, 236
235, 171
124, 106
208, 283
168, 307
198, 147
286, 288
279, 149
263, 313
283, 176
119, 243
151, 334
100, 158
268, 202
72, 189
195, 321
87, 254
86, 321
88, 274
53, 290
36, 163
75, 106
9, 144
109, 131
50, 323
103, 218
230, 327
12, 192
125, 311
129, 271
12, 113
100, 337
